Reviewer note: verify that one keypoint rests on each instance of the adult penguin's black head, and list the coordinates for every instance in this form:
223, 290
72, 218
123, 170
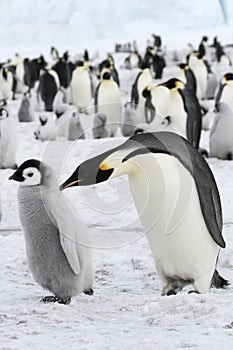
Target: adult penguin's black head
173, 83
106, 76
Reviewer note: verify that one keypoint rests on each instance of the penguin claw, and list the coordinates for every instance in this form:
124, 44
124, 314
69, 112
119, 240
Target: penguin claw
48, 299
55, 299
89, 291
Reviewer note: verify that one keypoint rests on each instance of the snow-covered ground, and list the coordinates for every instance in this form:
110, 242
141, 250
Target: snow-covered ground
126, 310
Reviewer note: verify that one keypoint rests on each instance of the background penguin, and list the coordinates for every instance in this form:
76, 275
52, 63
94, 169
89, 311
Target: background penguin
109, 64
132, 61
108, 101
75, 130
158, 66
184, 111
25, 112
129, 120
221, 140
202, 46
6, 83
223, 59
142, 80
198, 66
48, 88
212, 85
184, 229
99, 131
19, 73
47, 129
57, 245
81, 87
8, 139
225, 90
188, 78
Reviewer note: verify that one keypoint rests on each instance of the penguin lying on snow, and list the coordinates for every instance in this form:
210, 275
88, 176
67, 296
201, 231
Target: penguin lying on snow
47, 130
221, 141
57, 244
180, 211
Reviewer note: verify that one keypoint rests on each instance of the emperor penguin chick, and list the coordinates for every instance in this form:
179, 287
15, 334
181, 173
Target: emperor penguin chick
57, 244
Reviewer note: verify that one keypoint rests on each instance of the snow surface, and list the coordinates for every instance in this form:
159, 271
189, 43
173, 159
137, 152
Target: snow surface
126, 310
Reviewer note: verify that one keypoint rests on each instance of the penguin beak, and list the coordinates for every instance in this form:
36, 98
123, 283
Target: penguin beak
66, 185
17, 176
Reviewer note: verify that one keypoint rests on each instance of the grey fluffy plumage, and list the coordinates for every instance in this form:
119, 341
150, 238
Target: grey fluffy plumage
57, 244
25, 112
99, 130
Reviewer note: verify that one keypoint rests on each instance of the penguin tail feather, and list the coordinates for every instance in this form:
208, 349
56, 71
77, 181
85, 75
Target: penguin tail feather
218, 281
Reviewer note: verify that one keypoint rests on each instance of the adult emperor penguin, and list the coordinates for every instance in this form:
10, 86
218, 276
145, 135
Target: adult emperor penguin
182, 107
143, 79
8, 138
187, 76
177, 201
225, 90
221, 141
108, 101
81, 87
57, 244
199, 68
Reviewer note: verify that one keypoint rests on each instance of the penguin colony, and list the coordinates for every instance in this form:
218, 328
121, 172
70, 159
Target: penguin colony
162, 121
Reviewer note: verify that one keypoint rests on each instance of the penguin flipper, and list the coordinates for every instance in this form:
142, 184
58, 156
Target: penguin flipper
96, 98
67, 227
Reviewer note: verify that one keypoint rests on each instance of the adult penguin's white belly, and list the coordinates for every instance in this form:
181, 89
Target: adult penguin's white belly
179, 239
81, 89
227, 96
109, 104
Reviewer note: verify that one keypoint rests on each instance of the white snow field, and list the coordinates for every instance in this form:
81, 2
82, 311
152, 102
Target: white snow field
126, 311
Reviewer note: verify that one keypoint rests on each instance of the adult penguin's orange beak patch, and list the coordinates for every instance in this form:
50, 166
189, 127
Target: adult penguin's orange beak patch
104, 166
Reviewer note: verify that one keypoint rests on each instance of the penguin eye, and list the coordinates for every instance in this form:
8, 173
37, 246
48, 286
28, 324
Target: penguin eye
30, 174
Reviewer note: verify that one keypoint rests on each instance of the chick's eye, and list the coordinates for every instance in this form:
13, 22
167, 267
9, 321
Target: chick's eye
30, 174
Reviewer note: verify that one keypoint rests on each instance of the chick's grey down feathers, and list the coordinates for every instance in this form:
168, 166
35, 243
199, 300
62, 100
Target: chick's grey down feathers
57, 245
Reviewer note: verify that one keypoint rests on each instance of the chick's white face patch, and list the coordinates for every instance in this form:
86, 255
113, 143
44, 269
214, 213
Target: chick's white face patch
32, 177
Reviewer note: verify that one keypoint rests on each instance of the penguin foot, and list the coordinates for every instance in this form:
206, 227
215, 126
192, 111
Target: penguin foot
193, 291
65, 301
48, 299
89, 291
171, 292
55, 299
